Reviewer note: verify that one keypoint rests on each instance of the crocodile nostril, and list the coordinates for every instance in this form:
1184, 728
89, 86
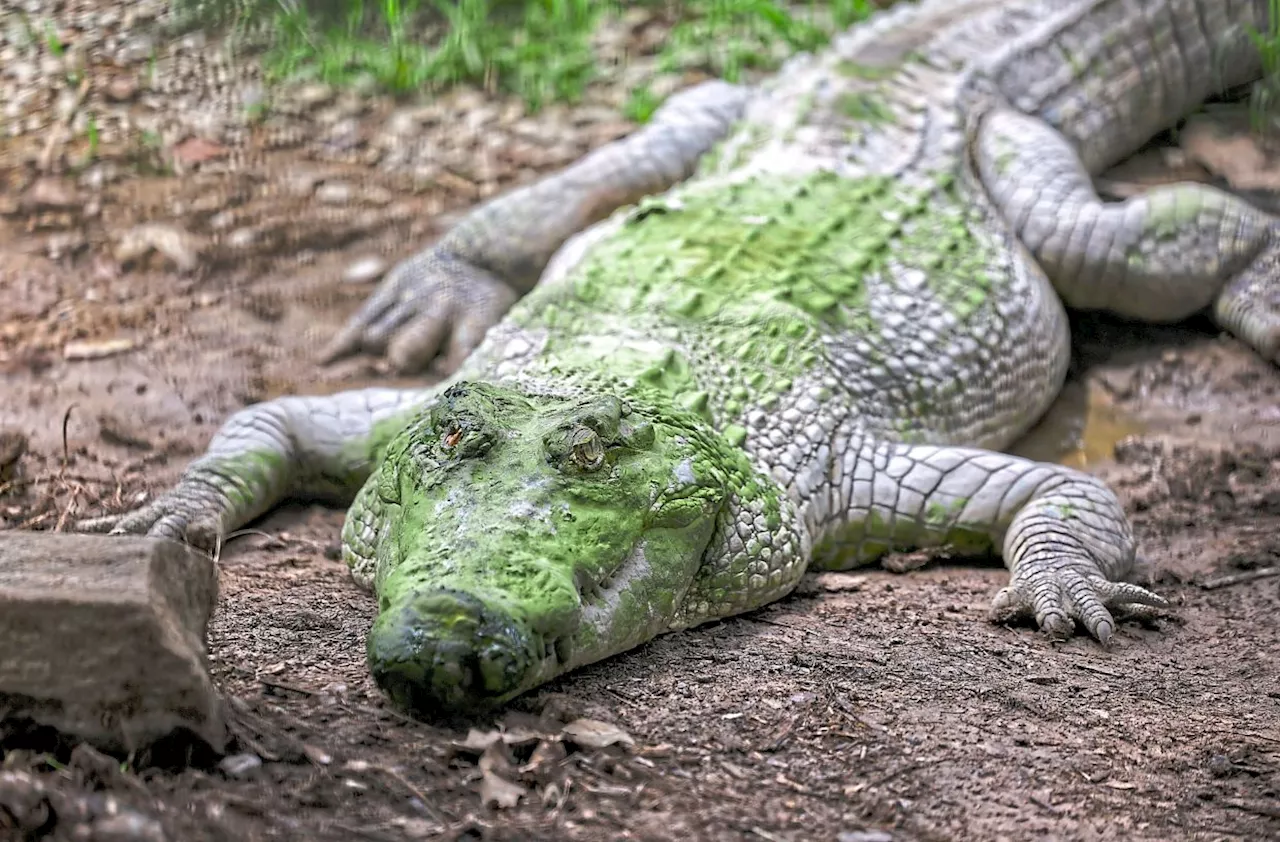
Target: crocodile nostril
447, 652
465, 437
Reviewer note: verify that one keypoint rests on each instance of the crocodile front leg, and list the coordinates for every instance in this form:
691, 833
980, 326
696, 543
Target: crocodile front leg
290, 447
1162, 256
448, 296
1062, 533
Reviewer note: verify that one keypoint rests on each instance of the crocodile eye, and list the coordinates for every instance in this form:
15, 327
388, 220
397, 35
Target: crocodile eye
587, 451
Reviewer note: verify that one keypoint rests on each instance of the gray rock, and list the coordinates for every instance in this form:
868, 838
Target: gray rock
104, 637
1220, 766
137, 49
24, 800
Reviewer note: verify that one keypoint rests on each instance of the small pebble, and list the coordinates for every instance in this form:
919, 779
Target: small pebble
312, 95
317, 755
864, 836
121, 89
402, 124
1043, 679
365, 270
240, 765
1220, 766
334, 193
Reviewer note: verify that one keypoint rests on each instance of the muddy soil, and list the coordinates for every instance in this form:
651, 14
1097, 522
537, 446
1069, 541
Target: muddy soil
867, 706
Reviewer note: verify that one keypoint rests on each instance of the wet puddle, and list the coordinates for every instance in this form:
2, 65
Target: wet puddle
1080, 430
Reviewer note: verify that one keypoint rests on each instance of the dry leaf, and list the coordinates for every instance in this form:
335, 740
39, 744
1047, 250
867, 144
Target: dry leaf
1149, 169
495, 758
494, 788
1225, 144
477, 741
197, 150
840, 582
316, 755
180, 246
55, 193
520, 736
591, 733
547, 752
498, 791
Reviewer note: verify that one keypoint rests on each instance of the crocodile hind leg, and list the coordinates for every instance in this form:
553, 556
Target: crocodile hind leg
1162, 256
1062, 533
317, 447
448, 296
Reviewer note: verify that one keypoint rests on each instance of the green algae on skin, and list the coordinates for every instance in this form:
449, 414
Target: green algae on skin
791, 260
258, 475
761, 284
864, 107
868, 72
1174, 209
369, 450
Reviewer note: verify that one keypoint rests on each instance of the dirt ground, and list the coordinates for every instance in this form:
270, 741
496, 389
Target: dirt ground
869, 706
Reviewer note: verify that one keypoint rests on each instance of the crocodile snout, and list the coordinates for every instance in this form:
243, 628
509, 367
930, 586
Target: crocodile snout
447, 652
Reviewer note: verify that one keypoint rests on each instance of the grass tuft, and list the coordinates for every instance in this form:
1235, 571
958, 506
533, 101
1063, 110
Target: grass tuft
539, 50
1265, 94
726, 37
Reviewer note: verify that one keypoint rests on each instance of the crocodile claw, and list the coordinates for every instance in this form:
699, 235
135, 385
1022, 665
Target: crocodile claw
431, 305
1059, 596
193, 512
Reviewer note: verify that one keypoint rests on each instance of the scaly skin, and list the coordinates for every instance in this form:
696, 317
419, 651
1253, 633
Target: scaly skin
807, 354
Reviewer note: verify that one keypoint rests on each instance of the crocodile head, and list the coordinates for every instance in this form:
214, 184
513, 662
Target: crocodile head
512, 537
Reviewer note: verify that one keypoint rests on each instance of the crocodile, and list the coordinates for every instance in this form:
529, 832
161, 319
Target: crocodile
777, 329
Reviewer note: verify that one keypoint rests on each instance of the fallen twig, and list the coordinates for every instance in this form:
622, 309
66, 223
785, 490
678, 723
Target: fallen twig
904, 769
1240, 578
1257, 808
66, 510
398, 777
1097, 669
66, 451
281, 685
59, 132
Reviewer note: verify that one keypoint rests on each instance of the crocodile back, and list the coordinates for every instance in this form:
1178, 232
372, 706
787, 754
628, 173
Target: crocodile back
837, 264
